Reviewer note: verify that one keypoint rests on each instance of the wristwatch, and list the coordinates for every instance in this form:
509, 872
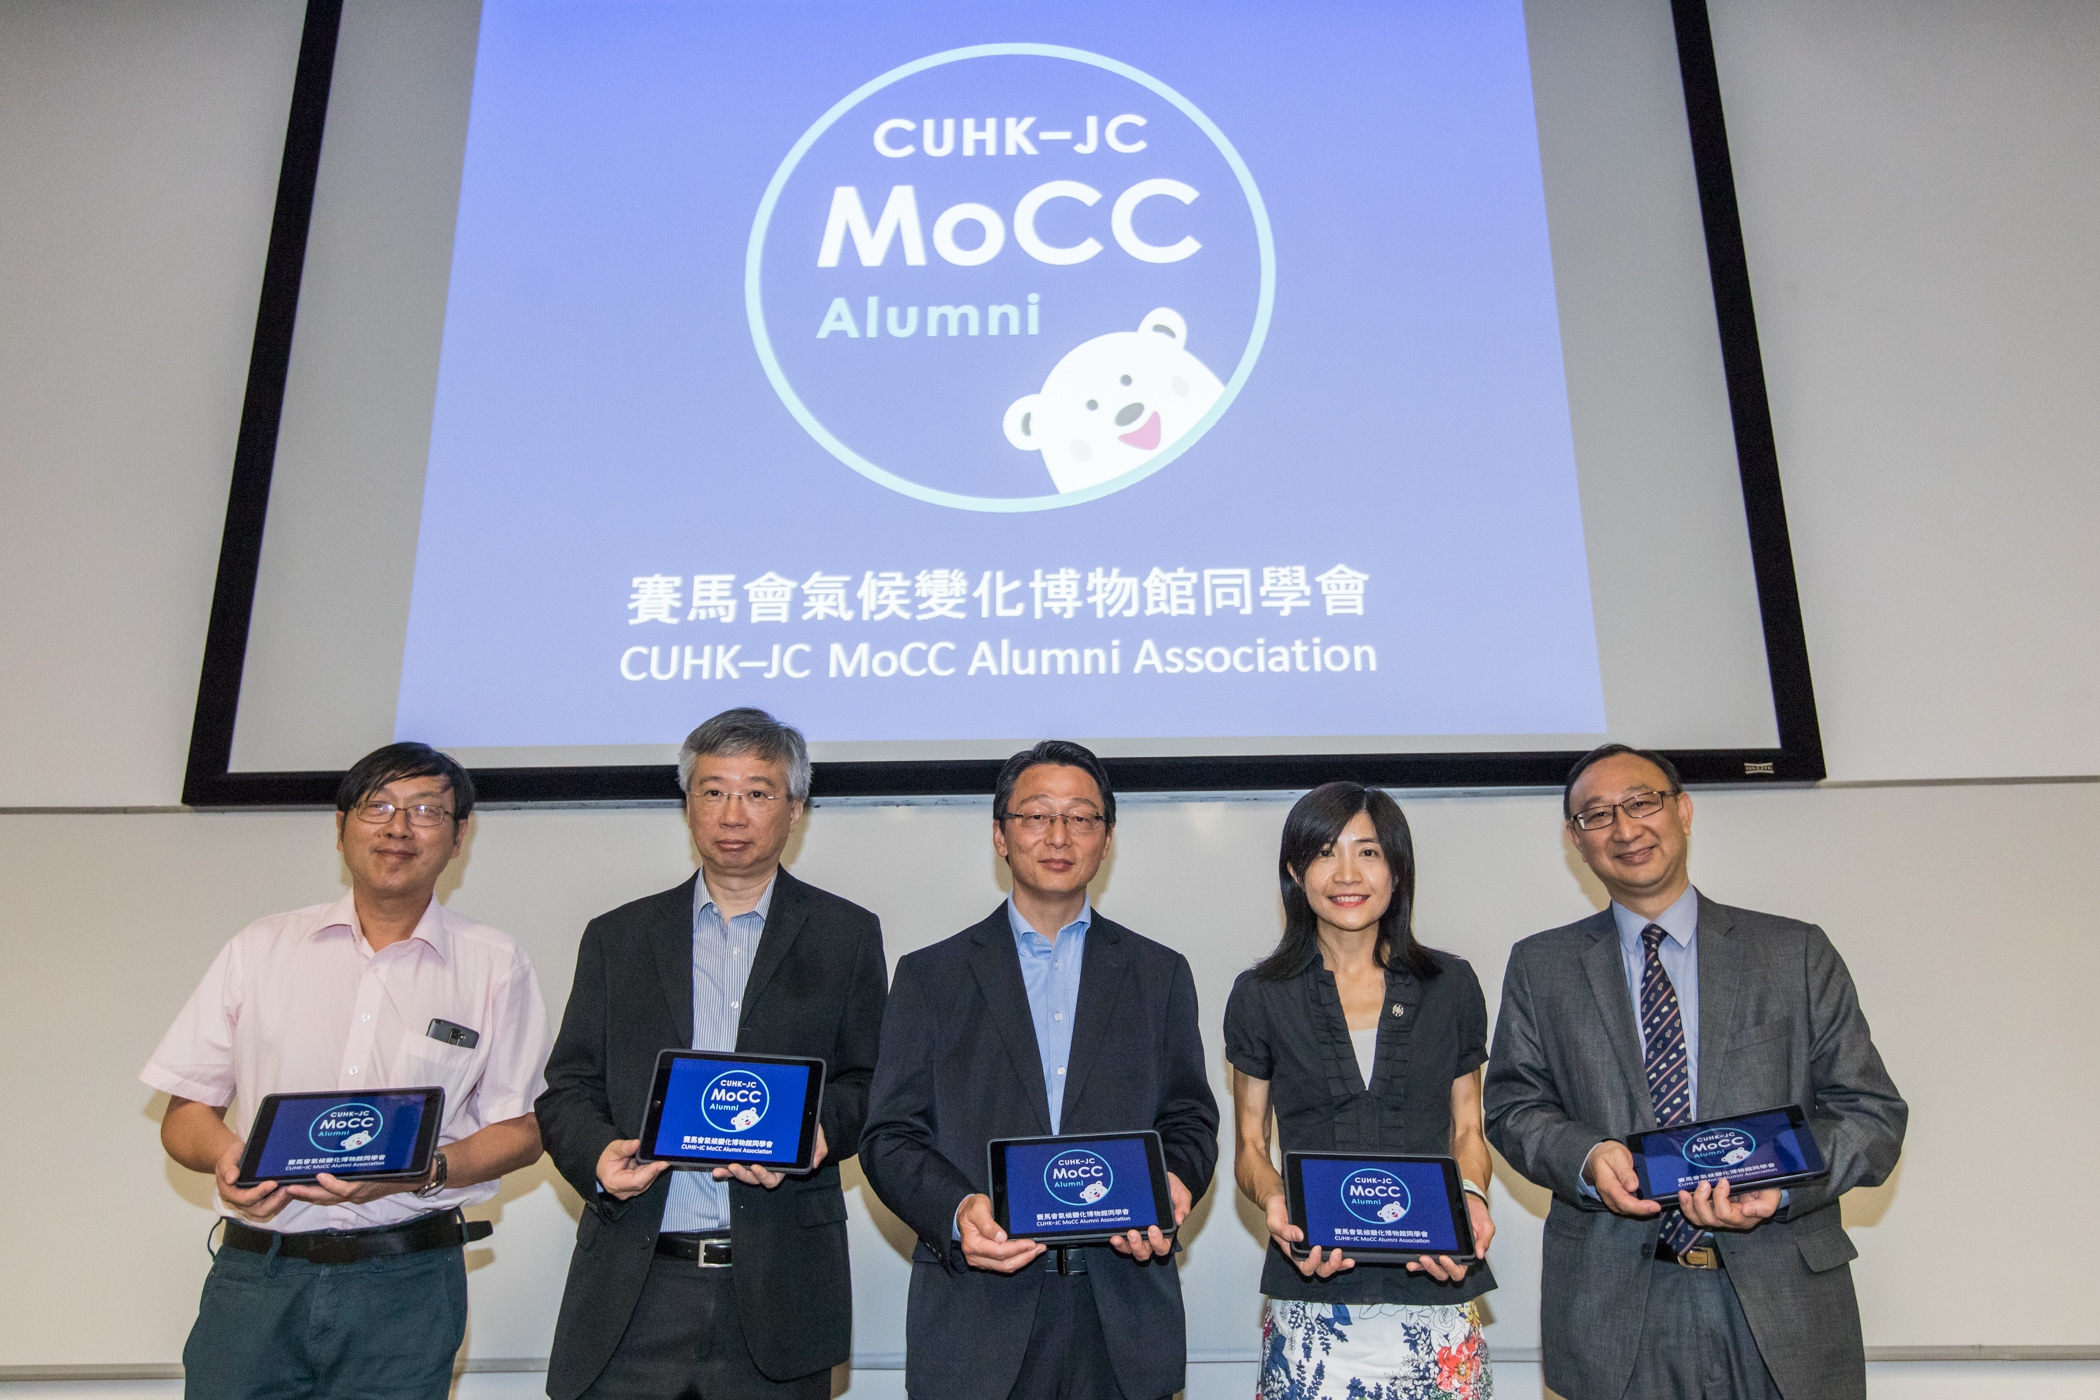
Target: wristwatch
1472, 1190
439, 1170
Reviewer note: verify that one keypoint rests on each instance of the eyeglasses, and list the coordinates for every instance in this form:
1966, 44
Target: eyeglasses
1039, 823
419, 814
1641, 804
720, 797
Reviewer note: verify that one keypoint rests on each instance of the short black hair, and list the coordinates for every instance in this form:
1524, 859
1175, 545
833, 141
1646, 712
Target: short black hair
408, 760
1604, 751
1058, 753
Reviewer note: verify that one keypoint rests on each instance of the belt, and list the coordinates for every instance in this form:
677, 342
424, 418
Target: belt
1065, 1259
1704, 1254
707, 1248
438, 1230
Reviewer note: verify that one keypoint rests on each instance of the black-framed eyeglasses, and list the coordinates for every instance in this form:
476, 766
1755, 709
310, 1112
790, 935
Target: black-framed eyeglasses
1038, 823
419, 813
1641, 804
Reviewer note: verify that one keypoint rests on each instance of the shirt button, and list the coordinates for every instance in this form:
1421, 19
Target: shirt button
1060, 1070
1057, 1016
353, 1070
734, 1005
366, 1017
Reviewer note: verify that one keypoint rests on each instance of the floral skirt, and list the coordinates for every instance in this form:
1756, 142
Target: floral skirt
1372, 1351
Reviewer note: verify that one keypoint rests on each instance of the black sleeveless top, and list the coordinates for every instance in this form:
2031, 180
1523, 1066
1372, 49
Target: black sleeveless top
1294, 1034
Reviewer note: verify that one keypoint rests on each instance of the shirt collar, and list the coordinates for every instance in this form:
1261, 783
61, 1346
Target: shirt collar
704, 899
1680, 921
430, 928
1022, 928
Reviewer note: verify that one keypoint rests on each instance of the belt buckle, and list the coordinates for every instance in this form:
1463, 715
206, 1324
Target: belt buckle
715, 1254
1702, 1256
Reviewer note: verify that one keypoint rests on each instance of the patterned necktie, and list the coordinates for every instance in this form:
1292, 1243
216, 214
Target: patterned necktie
1669, 1068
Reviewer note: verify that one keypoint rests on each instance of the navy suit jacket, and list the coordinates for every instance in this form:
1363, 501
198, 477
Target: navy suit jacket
960, 1066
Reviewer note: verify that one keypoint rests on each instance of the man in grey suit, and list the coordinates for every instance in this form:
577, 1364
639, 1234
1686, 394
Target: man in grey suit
1669, 1008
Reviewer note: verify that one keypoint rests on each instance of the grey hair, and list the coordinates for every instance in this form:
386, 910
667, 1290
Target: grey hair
751, 731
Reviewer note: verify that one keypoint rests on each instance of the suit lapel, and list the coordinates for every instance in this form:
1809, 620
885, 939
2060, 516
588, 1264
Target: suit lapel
671, 935
784, 922
1607, 974
997, 967
1102, 978
1720, 960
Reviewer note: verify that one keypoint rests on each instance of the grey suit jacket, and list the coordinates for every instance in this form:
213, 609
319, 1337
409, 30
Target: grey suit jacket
1779, 1023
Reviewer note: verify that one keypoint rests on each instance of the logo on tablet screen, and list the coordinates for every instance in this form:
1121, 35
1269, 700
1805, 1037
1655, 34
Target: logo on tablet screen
734, 1101
1078, 1177
346, 1127
1010, 277
1718, 1147
1375, 1196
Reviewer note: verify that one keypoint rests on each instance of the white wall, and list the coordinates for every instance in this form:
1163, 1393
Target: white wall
1918, 185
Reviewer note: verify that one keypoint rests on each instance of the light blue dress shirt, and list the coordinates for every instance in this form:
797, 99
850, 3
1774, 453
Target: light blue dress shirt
1050, 972
722, 953
1680, 958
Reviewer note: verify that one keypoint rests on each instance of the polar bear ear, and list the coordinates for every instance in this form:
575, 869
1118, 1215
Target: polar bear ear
1166, 322
1020, 422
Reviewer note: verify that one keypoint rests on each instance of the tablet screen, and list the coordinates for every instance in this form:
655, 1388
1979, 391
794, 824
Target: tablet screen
1076, 1184
735, 1109
1746, 1151
1355, 1204
343, 1134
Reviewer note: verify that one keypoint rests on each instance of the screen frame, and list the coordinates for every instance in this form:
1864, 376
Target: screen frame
1636, 1143
1454, 1193
659, 1088
419, 1158
1155, 1167
210, 781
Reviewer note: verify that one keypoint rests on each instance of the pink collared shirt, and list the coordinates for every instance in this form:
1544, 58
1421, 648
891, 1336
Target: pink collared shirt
300, 1002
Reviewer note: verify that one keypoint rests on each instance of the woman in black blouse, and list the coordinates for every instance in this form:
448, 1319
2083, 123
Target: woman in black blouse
1359, 1039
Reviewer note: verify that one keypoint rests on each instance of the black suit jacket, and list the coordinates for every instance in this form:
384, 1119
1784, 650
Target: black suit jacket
817, 989
960, 1066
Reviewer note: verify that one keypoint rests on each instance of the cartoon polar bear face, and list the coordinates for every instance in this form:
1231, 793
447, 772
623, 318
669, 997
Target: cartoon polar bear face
1115, 401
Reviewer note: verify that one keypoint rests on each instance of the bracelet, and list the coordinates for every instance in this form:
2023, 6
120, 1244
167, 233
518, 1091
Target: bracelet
1472, 1190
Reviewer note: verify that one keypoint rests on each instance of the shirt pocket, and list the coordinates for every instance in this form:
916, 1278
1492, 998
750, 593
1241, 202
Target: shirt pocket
453, 1068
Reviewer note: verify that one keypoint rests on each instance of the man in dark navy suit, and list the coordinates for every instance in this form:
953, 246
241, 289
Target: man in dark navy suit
1045, 1018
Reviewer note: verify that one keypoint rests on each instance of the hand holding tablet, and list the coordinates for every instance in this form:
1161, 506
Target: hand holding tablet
752, 1118
1109, 1188
1380, 1209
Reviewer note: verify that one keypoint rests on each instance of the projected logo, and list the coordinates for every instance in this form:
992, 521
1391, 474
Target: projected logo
1375, 1196
1078, 1177
734, 1101
1010, 277
1718, 1147
346, 1127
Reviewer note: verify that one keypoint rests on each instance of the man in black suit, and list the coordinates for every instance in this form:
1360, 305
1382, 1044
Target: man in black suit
733, 1283
1045, 1018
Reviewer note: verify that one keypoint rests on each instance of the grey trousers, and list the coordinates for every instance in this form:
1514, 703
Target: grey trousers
1696, 1343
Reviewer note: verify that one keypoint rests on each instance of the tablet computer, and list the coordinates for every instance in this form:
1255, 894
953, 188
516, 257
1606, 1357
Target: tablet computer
1751, 1151
1378, 1207
1077, 1190
708, 1108
387, 1135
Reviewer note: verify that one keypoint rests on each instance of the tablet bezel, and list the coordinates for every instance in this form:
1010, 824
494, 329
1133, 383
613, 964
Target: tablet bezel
659, 1086
419, 1160
1155, 1165
1454, 1192
1812, 1150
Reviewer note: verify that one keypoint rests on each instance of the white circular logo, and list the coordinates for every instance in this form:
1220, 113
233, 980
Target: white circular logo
734, 1101
346, 1127
1078, 1177
1375, 1195
1010, 277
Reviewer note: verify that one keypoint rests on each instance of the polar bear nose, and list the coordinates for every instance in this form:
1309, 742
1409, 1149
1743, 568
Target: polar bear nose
1130, 413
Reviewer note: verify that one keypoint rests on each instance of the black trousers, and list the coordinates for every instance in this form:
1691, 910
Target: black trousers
1067, 1357
684, 1343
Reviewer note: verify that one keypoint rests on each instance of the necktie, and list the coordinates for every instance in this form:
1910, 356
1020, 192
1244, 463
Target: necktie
1669, 1068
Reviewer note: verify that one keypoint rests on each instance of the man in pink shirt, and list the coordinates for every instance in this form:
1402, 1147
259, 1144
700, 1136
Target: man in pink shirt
335, 1288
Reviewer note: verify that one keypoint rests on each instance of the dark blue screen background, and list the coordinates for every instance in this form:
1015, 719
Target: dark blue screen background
1032, 1209
685, 1132
1778, 1153
1427, 1227
289, 1151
